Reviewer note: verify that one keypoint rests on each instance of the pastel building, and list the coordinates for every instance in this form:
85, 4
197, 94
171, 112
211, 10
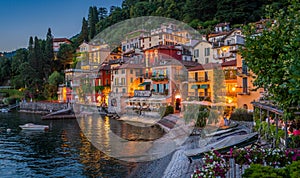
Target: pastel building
246, 92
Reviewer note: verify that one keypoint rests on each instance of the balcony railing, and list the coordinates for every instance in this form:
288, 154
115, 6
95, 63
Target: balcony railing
119, 84
223, 55
199, 79
159, 78
200, 94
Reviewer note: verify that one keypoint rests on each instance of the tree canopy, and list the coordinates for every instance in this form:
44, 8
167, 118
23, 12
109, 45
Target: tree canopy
273, 55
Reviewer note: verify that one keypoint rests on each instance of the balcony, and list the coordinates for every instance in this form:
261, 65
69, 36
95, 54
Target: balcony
200, 97
217, 44
242, 72
199, 79
224, 55
160, 78
119, 84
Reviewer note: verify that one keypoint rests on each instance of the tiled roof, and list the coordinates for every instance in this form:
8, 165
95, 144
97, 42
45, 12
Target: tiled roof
211, 66
61, 40
199, 67
162, 47
131, 66
189, 64
222, 24
104, 66
229, 63
207, 66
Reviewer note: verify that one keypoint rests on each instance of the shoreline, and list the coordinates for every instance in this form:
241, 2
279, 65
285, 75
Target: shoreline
175, 164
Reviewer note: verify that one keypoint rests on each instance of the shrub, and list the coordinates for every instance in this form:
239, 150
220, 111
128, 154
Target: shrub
164, 111
260, 171
294, 169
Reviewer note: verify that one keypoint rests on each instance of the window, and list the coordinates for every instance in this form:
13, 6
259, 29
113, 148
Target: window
196, 53
122, 81
116, 72
131, 80
206, 76
206, 60
245, 85
123, 71
244, 67
117, 90
106, 81
131, 71
124, 90
228, 42
206, 51
196, 76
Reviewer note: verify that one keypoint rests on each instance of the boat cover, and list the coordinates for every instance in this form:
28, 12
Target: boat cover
229, 141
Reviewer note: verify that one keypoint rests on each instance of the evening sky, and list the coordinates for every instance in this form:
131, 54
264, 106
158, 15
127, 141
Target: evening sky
21, 19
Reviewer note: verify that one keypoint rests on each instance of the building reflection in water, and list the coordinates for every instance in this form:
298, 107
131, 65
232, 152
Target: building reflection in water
119, 139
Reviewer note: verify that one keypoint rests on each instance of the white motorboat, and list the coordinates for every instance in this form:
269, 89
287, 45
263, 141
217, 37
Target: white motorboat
4, 110
31, 126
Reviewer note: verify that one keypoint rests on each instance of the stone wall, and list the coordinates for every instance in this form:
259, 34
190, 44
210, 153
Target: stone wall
41, 107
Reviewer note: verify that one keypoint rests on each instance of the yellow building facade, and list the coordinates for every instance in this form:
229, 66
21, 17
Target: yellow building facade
246, 91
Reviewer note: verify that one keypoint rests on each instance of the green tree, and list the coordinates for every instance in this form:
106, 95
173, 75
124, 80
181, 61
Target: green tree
65, 55
52, 86
92, 21
84, 34
102, 13
5, 64
17, 61
49, 54
273, 56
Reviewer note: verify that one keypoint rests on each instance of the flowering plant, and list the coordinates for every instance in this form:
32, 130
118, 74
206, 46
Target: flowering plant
214, 166
242, 156
292, 155
275, 157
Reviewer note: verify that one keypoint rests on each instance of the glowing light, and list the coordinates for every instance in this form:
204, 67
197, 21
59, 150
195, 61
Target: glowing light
229, 100
177, 96
233, 88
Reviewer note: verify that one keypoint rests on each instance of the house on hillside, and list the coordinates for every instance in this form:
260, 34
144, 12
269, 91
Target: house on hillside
59, 41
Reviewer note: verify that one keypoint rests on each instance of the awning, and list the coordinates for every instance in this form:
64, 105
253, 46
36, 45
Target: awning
195, 87
144, 83
204, 86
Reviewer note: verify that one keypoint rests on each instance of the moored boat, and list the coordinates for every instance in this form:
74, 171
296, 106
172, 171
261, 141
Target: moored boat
31, 126
4, 110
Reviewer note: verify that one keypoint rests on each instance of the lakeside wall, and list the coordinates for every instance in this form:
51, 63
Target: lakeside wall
41, 107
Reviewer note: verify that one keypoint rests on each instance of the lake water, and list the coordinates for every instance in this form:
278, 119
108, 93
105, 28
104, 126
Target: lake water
63, 151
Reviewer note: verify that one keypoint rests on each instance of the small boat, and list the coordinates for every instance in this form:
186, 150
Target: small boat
31, 126
4, 110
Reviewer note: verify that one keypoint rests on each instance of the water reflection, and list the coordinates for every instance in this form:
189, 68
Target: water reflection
63, 151
119, 139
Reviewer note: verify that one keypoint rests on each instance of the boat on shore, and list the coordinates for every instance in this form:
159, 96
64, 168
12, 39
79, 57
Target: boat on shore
31, 126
